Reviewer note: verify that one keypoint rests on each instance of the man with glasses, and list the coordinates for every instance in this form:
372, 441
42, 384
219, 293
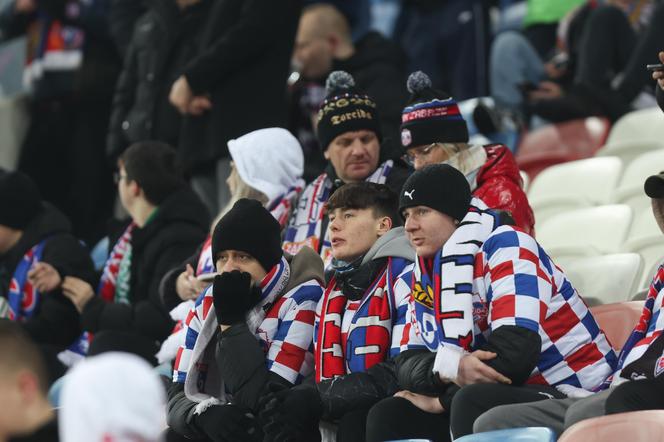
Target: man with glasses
168, 221
433, 131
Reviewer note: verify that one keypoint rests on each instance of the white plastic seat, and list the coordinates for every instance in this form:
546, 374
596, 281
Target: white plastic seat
584, 232
630, 189
651, 249
644, 124
574, 185
607, 278
643, 222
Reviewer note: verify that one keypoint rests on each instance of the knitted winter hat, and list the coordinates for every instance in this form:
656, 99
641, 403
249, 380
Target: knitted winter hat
439, 186
345, 109
250, 228
431, 116
654, 186
19, 198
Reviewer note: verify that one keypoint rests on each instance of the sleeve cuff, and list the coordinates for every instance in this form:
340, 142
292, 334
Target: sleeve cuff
446, 364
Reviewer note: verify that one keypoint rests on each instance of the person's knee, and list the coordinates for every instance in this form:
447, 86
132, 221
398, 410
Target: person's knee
490, 420
384, 417
584, 409
509, 41
469, 396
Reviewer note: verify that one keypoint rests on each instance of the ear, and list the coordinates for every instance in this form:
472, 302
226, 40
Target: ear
28, 385
383, 225
135, 189
326, 154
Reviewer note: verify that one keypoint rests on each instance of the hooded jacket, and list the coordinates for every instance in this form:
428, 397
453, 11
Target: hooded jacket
178, 227
245, 367
56, 321
500, 186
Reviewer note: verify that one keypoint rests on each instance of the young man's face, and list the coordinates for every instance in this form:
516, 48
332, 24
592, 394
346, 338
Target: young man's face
427, 229
229, 260
354, 231
354, 155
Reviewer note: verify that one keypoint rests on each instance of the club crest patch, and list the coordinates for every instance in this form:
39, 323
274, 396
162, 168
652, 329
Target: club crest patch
406, 137
659, 366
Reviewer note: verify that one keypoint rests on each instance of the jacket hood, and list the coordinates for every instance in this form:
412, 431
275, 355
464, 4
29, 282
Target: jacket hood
183, 206
269, 160
393, 244
371, 50
49, 221
499, 162
305, 266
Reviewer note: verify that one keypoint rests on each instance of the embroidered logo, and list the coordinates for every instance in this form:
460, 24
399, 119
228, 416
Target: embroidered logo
409, 194
424, 297
659, 365
406, 137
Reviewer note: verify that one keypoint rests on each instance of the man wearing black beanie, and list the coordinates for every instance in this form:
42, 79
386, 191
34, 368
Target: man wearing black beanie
497, 316
37, 251
349, 132
251, 328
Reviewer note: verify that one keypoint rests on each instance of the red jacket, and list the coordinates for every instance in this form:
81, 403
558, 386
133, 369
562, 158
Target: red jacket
500, 186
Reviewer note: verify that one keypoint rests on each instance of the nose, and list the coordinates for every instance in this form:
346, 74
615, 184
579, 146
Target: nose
357, 148
419, 162
230, 265
410, 225
334, 225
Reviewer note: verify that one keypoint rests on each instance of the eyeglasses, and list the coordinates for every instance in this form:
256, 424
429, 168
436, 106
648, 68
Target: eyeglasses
117, 177
410, 158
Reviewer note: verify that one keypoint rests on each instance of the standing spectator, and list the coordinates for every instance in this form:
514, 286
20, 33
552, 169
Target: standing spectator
449, 39
235, 84
323, 44
659, 89
164, 40
37, 253
123, 17
167, 222
434, 131
27, 416
70, 72
348, 127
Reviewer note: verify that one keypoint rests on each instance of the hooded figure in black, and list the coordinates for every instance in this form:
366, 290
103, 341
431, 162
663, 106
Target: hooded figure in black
168, 221
37, 252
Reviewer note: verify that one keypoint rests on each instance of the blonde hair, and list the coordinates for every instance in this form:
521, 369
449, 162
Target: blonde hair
239, 190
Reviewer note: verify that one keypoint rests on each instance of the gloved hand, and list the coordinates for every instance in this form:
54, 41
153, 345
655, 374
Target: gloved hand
234, 295
229, 423
291, 414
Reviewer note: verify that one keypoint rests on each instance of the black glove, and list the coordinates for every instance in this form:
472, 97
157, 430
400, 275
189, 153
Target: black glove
291, 414
234, 295
228, 423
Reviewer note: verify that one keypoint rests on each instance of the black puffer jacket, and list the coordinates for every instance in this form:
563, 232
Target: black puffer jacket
56, 321
164, 40
180, 224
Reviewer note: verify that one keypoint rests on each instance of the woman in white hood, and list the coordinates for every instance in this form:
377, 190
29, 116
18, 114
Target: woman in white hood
267, 166
113, 397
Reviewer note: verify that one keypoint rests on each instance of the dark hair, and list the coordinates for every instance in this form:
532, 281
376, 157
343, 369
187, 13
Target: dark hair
152, 165
18, 352
366, 195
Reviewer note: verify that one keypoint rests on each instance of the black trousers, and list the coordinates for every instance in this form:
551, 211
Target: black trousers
397, 418
647, 394
473, 400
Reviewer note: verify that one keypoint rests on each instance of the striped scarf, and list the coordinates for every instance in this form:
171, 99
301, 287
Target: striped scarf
202, 384
110, 286
367, 340
444, 307
23, 297
306, 225
282, 206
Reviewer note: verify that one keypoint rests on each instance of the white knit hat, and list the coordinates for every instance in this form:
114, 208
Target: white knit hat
269, 160
113, 396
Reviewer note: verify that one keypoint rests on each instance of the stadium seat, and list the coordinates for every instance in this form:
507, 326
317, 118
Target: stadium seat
574, 185
617, 320
532, 434
630, 188
643, 222
644, 124
651, 249
640, 426
534, 163
585, 232
605, 279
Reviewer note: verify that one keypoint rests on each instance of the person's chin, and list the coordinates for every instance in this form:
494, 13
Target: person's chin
425, 250
359, 172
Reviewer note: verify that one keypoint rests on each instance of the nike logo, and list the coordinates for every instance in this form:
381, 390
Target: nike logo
547, 395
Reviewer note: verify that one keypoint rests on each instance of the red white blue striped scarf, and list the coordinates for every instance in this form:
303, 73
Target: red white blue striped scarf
23, 297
